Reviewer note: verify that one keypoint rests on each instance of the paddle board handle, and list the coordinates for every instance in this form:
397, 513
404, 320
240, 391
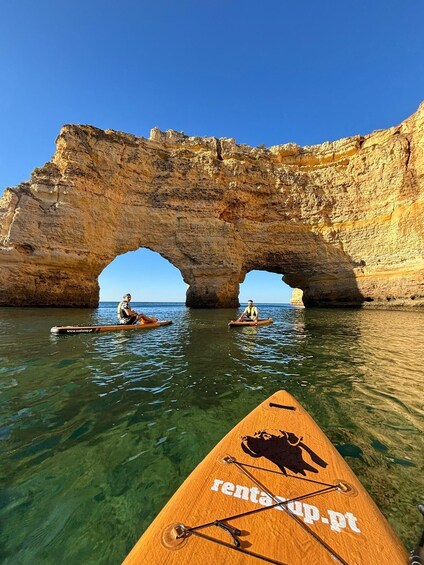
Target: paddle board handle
234, 532
274, 405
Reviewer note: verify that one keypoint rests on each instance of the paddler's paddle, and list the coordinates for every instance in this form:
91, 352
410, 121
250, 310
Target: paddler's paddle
417, 556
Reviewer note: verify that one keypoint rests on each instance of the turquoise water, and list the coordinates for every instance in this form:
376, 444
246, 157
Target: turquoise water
97, 431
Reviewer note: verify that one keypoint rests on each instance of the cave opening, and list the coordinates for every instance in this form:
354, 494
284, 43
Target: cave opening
145, 274
264, 287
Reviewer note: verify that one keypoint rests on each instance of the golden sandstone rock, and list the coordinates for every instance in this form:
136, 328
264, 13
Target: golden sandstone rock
297, 297
342, 221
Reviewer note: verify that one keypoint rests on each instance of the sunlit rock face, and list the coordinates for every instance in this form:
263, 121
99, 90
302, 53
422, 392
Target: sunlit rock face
296, 297
342, 221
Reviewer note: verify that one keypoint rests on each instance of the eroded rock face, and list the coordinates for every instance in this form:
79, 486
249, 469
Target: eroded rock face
297, 297
342, 221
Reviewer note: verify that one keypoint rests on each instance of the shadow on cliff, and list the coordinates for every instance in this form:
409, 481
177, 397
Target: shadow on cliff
325, 273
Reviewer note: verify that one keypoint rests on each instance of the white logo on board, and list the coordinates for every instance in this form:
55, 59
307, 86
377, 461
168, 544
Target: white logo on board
308, 512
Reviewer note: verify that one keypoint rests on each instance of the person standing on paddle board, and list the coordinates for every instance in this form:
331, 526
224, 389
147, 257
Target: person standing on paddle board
128, 316
249, 314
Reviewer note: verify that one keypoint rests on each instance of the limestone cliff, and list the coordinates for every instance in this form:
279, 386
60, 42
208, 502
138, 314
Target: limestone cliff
342, 221
297, 297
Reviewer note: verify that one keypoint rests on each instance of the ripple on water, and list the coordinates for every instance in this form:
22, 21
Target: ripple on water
97, 431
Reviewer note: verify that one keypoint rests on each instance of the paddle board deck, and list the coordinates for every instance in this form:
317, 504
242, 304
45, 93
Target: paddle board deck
265, 322
273, 490
98, 329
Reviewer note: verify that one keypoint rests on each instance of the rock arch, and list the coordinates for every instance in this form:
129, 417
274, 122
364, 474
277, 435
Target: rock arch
140, 272
343, 221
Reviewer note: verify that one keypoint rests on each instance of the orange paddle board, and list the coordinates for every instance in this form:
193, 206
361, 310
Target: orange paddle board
98, 329
273, 490
265, 322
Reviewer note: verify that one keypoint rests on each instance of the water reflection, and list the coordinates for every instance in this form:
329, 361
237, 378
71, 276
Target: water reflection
97, 431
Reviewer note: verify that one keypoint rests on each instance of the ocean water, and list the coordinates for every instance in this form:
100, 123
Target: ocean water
98, 431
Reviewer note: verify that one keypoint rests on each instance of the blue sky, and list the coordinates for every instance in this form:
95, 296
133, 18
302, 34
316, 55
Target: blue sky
264, 73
